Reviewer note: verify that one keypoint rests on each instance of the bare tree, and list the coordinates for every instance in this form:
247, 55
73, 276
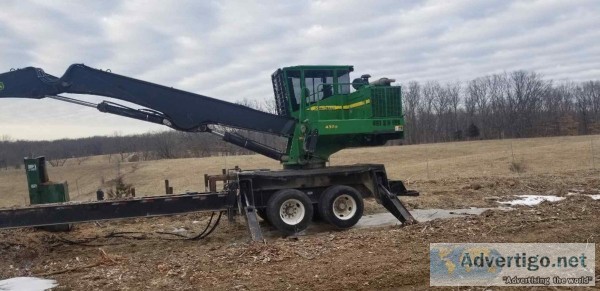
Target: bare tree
5, 138
584, 103
269, 105
80, 160
453, 91
412, 99
527, 91
427, 111
165, 145
57, 162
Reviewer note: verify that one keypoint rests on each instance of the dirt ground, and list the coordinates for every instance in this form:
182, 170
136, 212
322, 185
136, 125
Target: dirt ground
135, 254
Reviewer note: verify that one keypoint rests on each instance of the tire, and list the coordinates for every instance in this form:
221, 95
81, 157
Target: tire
341, 206
290, 211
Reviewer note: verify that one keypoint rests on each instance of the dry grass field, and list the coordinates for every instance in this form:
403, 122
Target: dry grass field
135, 254
414, 164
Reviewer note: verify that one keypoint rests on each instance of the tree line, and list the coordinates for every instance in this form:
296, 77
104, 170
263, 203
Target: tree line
507, 105
168, 144
126, 148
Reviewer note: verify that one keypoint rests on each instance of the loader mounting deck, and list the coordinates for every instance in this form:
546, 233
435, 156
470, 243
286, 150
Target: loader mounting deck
246, 192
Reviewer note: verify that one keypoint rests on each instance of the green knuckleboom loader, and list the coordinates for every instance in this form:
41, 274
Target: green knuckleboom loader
42, 190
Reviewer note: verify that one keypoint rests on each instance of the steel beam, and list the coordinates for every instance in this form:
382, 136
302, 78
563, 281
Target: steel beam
75, 212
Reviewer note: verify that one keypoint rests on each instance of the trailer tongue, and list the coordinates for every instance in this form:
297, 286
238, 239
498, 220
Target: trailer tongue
317, 113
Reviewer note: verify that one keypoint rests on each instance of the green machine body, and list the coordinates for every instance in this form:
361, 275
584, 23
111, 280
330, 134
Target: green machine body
334, 113
41, 190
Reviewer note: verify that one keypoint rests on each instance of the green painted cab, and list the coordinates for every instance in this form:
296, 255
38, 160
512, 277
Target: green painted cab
334, 112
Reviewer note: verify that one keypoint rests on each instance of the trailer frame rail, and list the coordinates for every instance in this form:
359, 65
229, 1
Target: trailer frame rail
149, 206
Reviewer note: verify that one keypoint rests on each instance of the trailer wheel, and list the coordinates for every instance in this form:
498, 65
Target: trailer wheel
290, 211
342, 206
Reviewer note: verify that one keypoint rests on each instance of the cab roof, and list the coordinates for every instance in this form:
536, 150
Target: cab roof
320, 67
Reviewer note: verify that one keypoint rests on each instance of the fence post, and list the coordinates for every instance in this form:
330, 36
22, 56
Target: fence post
512, 152
592, 150
99, 195
427, 154
514, 165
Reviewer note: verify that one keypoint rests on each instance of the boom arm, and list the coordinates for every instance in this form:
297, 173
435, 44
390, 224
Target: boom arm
318, 113
178, 109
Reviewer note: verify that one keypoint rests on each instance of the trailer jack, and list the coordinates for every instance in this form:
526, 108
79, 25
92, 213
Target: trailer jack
394, 206
252, 220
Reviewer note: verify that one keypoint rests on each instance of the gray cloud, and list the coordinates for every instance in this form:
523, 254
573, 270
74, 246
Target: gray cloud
228, 49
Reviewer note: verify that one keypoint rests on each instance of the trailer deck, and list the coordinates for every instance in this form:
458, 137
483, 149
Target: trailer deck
245, 192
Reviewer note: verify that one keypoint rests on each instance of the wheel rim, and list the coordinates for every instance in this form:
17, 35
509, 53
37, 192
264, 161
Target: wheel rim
344, 207
292, 211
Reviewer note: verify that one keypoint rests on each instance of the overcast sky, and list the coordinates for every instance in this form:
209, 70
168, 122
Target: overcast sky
228, 49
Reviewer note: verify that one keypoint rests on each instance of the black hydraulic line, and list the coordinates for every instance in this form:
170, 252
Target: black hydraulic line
208, 229
186, 111
252, 145
204, 234
212, 215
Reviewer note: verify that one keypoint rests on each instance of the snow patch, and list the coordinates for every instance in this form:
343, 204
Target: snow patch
179, 230
532, 200
27, 283
593, 196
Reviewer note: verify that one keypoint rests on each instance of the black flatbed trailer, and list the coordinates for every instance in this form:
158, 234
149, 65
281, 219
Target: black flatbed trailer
251, 193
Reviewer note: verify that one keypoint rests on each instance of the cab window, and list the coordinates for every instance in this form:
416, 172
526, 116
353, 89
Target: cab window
294, 88
319, 84
343, 81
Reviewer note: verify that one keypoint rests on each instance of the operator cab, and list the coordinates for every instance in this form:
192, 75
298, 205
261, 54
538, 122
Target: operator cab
315, 82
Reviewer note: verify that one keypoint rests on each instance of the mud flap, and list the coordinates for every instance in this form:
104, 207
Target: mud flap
394, 206
252, 221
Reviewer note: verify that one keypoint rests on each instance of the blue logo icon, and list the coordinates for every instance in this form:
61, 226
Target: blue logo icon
460, 262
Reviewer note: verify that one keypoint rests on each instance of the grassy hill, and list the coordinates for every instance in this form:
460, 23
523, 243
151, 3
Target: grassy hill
413, 164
